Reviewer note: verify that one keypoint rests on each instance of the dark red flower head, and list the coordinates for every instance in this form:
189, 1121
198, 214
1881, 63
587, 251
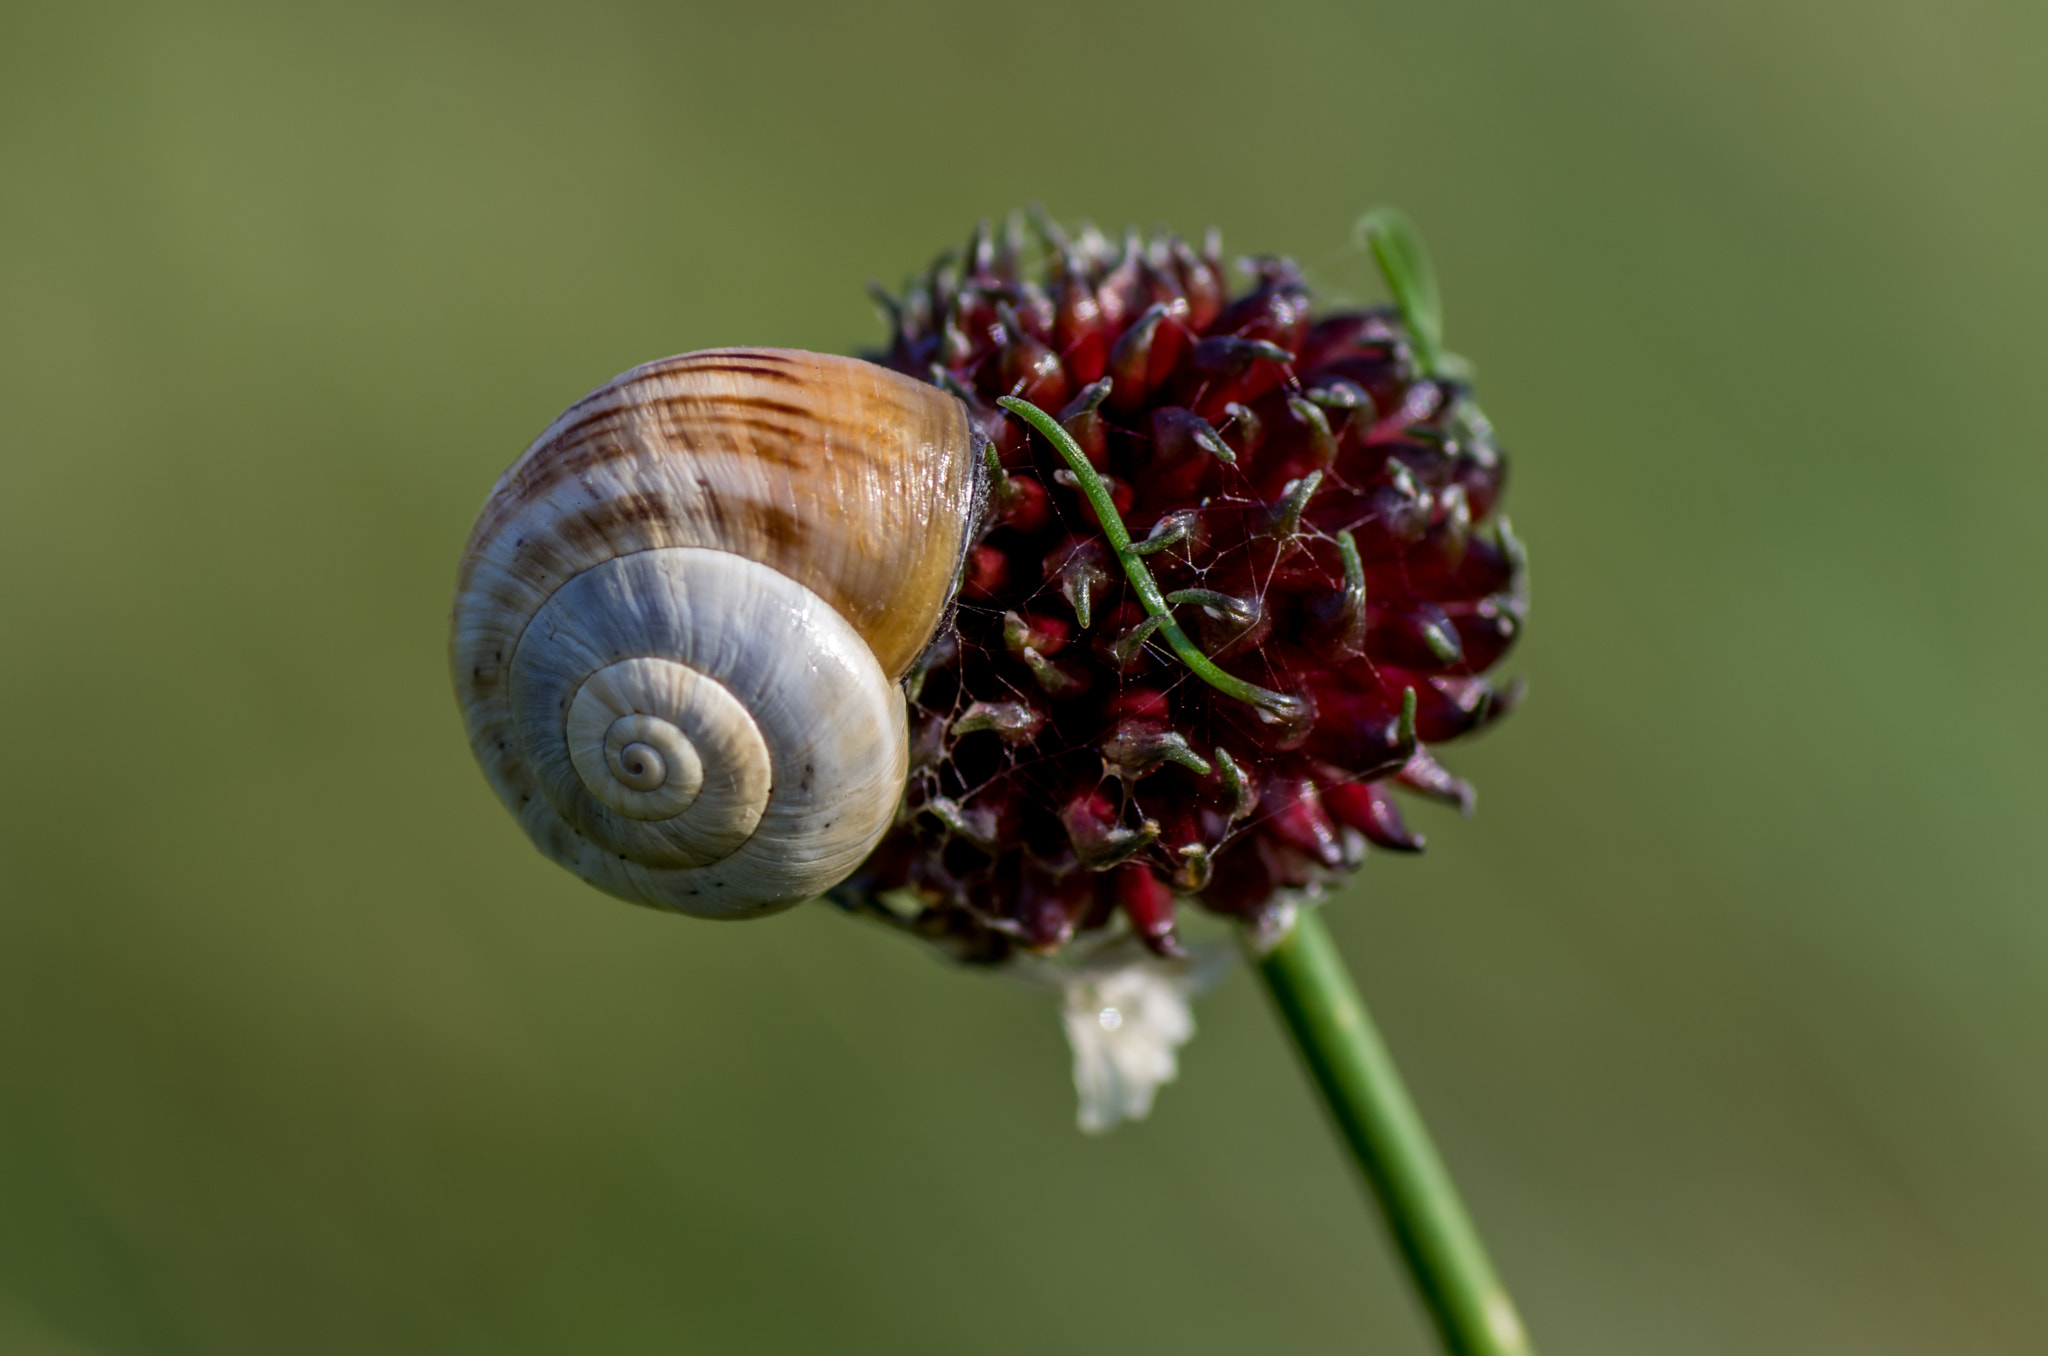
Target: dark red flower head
1314, 501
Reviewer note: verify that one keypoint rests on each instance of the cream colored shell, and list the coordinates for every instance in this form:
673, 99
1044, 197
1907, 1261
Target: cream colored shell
684, 613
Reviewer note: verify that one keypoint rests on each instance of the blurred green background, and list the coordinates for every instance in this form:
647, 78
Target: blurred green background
1730, 1008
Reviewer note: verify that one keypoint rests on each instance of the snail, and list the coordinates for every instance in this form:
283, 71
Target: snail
683, 618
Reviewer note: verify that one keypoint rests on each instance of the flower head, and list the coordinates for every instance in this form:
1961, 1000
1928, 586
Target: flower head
1203, 637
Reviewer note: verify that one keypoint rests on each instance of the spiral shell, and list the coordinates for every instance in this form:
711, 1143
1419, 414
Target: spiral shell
683, 615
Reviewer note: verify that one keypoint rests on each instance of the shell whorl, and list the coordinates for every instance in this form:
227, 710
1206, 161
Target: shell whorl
683, 613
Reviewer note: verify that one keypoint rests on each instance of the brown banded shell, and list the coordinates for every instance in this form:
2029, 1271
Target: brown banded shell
683, 615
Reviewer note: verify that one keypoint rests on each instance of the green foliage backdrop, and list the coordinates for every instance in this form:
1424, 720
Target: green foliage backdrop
1731, 1007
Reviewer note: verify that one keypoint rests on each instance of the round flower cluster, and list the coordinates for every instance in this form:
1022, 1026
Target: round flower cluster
1207, 627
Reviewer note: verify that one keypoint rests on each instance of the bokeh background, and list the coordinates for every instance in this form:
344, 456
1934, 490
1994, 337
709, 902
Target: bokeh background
1730, 1007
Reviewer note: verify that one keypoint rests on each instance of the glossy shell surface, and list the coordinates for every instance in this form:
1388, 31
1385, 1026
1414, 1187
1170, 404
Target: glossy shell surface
682, 617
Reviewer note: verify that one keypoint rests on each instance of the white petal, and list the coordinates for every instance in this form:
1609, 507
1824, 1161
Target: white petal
1126, 1027
1126, 1014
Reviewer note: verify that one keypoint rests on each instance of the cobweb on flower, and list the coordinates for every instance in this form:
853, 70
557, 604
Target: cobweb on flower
953, 768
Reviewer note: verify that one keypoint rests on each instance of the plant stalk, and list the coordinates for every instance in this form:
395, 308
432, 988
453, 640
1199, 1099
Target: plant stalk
1362, 1089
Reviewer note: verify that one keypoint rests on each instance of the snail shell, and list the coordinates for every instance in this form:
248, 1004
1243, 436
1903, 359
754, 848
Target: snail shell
683, 617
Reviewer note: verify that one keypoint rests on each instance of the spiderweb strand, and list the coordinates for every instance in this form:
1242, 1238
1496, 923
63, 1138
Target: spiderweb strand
1271, 705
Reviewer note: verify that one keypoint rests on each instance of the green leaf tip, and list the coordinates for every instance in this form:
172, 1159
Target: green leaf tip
1397, 247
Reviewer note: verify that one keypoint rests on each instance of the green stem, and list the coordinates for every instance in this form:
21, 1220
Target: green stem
1306, 976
